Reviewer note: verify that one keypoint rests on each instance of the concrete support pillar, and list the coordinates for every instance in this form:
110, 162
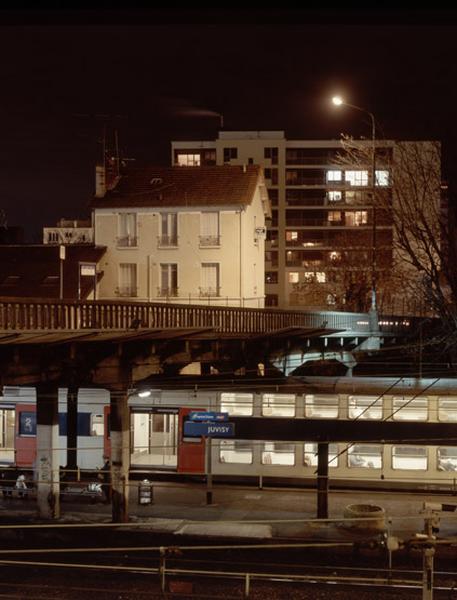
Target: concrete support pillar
47, 460
120, 456
72, 432
322, 480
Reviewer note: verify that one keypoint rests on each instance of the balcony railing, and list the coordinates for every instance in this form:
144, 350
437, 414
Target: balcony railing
127, 241
210, 240
126, 291
166, 241
167, 292
208, 292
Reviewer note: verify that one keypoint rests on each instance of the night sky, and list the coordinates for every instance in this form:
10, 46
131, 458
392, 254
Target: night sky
159, 76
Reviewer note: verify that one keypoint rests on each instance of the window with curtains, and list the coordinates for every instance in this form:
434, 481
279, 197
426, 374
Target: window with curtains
127, 280
209, 229
127, 230
168, 280
210, 280
168, 229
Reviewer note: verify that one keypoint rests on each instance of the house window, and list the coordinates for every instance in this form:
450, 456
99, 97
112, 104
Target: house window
169, 229
333, 175
356, 178
235, 452
127, 230
365, 407
354, 197
291, 236
321, 406
278, 453
278, 405
271, 277
168, 280
230, 153
382, 178
210, 280
127, 280
355, 218
365, 456
237, 403
310, 455
314, 277
272, 154
335, 216
188, 160
447, 458
293, 277
413, 458
334, 196
410, 409
447, 409
209, 229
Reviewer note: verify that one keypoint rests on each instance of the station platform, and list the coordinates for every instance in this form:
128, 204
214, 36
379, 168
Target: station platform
182, 509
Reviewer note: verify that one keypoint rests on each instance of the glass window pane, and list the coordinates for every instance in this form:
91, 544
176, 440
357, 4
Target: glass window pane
410, 409
321, 406
310, 456
278, 405
365, 456
97, 425
235, 451
447, 458
409, 457
447, 409
278, 453
365, 407
237, 403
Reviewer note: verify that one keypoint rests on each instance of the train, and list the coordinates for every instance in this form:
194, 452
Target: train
158, 443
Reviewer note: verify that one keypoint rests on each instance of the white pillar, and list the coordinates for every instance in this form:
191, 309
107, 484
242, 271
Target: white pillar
47, 459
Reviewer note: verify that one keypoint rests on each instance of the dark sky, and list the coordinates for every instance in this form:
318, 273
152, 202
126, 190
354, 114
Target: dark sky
166, 75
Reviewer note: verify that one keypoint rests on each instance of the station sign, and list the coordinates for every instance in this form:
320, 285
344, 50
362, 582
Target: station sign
216, 430
208, 416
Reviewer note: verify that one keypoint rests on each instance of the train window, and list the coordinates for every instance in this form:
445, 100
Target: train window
447, 458
235, 451
365, 456
278, 405
447, 409
97, 425
410, 409
365, 407
409, 457
27, 423
7, 421
310, 458
237, 404
278, 453
321, 406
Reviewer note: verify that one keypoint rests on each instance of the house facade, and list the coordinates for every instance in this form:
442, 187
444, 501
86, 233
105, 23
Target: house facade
183, 235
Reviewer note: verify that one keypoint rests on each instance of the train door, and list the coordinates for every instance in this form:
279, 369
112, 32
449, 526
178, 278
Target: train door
192, 450
7, 425
154, 437
25, 429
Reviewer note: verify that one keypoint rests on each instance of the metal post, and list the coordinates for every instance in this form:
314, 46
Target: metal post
209, 474
322, 480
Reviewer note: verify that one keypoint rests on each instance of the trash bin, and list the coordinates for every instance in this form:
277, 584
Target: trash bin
145, 492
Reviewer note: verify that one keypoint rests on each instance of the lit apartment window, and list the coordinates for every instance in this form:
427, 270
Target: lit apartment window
365, 407
447, 409
382, 178
127, 280
334, 196
127, 230
271, 276
278, 405
410, 409
353, 197
447, 458
278, 453
209, 229
210, 279
321, 406
333, 175
230, 153
235, 452
355, 218
314, 276
293, 277
188, 160
291, 236
168, 279
310, 455
335, 257
413, 458
237, 403
335, 216
356, 178
169, 229
365, 456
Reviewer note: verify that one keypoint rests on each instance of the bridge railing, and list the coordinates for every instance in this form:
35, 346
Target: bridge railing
20, 315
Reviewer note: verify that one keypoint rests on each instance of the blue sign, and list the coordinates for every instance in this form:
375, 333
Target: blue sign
218, 430
208, 416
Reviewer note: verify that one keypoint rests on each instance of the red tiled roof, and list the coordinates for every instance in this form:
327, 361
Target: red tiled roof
183, 186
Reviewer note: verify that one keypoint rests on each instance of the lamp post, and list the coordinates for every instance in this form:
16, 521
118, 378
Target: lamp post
338, 101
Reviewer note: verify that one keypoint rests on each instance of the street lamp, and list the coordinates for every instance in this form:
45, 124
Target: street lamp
338, 101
